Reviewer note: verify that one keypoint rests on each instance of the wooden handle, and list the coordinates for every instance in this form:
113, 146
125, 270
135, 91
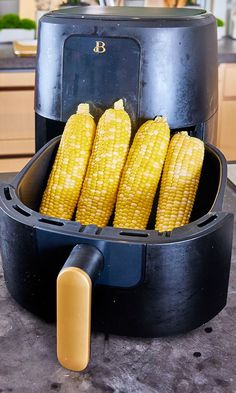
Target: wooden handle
74, 292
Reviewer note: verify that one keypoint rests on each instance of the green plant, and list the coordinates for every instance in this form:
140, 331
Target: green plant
73, 2
9, 21
27, 24
220, 22
12, 21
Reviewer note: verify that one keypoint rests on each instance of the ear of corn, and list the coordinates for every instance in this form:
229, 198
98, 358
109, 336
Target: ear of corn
108, 156
141, 174
64, 184
179, 182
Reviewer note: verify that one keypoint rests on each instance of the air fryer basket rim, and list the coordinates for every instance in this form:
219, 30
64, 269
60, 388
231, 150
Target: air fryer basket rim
34, 218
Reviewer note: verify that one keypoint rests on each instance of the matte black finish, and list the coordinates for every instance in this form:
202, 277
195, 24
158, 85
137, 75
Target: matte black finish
87, 258
45, 130
127, 13
160, 61
185, 286
151, 283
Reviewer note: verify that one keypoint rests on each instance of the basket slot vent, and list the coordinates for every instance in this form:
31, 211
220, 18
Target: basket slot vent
165, 234
21, 211
208, 221
133, 234
7, 193
52, 222
90, 229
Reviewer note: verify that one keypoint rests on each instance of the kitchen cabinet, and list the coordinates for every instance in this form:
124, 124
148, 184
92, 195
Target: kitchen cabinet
226, 136
17, 140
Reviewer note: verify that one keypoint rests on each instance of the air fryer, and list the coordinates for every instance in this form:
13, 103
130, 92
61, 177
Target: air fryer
128, 282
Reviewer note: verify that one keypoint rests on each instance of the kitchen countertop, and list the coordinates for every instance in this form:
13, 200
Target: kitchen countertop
202, 361
10, 62
226, 50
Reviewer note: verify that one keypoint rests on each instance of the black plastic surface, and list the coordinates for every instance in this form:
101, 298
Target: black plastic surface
151, 284
174, 71
117, 76
45, 130
118, 270
129, 13
87, 258
185, 286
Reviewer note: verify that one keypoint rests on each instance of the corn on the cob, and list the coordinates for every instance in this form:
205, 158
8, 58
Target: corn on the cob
108, 156
141, 174
65, 181
179, 182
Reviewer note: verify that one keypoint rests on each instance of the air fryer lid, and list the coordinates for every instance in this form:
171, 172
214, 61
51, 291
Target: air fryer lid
129, 13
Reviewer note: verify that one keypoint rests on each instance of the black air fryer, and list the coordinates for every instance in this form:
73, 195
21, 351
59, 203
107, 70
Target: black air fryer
145, 283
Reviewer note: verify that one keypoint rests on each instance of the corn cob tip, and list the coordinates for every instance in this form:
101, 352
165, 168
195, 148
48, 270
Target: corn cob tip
83, 108
119, 104
193, 138
160, 119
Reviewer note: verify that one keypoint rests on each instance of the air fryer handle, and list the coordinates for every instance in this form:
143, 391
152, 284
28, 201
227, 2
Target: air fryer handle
74, 293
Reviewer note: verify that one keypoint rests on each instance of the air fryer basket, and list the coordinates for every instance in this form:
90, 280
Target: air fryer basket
150, 283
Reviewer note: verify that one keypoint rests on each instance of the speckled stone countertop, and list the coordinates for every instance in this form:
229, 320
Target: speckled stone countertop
10, 62
227, 50
202, 361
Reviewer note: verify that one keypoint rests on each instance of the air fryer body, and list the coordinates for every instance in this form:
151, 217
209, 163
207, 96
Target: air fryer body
160, 61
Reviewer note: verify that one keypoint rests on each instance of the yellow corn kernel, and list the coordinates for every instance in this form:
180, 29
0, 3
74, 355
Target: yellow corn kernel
65, 181
179, 182
141, 174
108, 156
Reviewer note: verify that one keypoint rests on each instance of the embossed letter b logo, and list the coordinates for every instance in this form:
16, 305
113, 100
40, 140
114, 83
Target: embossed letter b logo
100, 47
